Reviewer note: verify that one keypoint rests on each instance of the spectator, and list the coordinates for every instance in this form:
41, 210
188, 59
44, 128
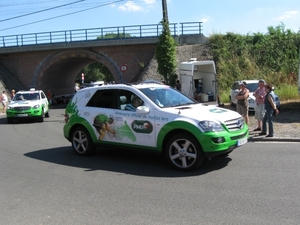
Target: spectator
259, 95
4, 101
178, 85
242, 105
270, 107
13, 93
135, 102
49, 97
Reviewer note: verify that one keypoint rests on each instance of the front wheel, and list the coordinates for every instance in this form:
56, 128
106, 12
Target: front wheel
41, 117
47, 114
10, 120
81, 142
183, 152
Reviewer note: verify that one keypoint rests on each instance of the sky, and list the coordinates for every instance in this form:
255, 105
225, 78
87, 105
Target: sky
217, 16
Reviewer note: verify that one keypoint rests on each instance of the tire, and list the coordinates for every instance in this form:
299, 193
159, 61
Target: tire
10, 120
47, 114
183, 152
81, 142
41, 117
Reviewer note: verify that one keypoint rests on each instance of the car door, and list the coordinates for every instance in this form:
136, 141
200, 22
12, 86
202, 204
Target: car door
44, 102
135, 127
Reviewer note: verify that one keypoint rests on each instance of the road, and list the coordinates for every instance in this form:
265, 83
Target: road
43, 182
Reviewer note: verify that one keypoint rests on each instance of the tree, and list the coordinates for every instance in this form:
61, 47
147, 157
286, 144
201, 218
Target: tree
166, 55
95, 72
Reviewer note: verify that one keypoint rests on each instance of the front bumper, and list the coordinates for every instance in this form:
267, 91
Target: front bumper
21, 114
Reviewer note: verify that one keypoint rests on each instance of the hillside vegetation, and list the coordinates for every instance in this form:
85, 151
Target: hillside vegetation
273, 56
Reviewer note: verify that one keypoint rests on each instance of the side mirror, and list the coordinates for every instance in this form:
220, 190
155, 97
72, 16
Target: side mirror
142, 110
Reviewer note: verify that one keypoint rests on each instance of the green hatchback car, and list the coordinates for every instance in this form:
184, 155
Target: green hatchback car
28, 104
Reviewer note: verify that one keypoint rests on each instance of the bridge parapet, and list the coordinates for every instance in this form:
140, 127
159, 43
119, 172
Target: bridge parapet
96, 34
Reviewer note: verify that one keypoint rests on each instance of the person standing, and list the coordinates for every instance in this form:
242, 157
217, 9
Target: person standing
178, 85
270, 107
13, 93
259, 95
242, 105
4, 101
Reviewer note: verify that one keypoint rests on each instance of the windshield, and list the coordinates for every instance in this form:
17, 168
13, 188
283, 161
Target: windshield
167, 97
252, 87
26, 96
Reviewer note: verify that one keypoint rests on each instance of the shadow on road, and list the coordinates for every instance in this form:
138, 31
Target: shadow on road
123, 161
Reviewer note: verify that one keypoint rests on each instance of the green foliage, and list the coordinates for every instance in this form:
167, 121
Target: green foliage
273, 56
114, 35
287, 92
95, 72
166, 56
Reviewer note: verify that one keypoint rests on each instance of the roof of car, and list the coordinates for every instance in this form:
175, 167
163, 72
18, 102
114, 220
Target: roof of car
28, 91
248, 81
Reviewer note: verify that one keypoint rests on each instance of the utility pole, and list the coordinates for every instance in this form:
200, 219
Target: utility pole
165, 11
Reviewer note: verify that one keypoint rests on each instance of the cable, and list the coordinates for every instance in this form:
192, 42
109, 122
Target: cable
105, 4
41, 10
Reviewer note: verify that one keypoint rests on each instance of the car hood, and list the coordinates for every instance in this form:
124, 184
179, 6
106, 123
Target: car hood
23, 103
202, 112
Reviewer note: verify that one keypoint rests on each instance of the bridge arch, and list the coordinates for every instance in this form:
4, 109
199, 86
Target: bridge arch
58, 71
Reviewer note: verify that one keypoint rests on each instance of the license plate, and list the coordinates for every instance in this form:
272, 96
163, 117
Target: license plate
242, 141
22, 115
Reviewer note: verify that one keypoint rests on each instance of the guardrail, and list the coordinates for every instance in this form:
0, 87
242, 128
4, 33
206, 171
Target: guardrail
106, 33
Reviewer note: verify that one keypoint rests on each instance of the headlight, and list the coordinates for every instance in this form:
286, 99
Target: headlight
36, 106
208, 126
10, 107
250, 100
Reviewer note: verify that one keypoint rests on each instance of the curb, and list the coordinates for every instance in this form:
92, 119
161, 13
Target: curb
253, 138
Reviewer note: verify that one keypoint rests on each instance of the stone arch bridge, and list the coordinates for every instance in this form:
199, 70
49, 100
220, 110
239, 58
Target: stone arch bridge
55, 66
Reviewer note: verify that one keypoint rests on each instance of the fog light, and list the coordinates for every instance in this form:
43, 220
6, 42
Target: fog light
218, 140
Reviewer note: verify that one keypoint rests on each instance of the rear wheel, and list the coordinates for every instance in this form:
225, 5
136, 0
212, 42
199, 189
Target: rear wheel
183, 152
81, 142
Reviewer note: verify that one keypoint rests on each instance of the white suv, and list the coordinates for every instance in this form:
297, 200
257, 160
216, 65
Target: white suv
166, 121
28, 104
252, 85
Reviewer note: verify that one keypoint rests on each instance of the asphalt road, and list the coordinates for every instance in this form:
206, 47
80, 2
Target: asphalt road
43, 182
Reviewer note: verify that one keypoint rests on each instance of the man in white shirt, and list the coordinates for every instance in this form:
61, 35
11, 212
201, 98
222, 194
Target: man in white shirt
4, 101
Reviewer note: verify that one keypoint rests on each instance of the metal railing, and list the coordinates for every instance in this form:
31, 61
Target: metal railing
106, 33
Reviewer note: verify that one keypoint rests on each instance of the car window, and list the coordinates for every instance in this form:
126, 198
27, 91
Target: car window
43, 95
103, 99
125, 97
252, 87
26, 96
167, 97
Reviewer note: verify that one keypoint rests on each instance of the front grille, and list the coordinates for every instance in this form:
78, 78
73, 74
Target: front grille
239, 136
235, 124
24, 108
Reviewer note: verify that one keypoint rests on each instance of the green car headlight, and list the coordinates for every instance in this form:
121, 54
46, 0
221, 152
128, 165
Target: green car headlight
36, 106
10, 107
210, 126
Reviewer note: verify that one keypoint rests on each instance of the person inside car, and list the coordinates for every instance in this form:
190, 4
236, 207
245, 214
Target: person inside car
135, 102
